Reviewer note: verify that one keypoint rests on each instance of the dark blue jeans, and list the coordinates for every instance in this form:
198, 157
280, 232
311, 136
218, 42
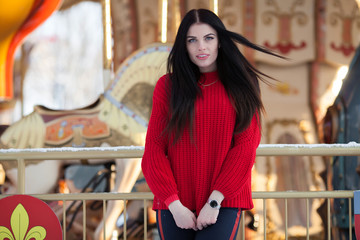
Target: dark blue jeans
225, 228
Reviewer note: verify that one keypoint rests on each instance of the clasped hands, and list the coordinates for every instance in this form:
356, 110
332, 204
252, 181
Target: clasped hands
186, 219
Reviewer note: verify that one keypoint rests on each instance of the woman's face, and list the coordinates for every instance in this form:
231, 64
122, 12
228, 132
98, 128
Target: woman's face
202, 45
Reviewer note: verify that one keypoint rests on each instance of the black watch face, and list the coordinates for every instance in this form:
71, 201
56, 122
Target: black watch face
213, 204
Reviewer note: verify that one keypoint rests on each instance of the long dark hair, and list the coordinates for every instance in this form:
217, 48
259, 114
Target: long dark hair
239, 77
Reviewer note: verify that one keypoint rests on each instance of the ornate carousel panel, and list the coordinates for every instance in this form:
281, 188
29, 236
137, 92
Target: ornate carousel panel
231, 13
289, 92
283, 125
124, 26
195, 4
343, 29
148, 15
286, 27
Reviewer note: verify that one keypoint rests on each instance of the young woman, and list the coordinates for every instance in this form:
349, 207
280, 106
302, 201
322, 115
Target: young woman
203, 132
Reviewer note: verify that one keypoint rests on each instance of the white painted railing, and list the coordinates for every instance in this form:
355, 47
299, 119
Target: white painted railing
23, 155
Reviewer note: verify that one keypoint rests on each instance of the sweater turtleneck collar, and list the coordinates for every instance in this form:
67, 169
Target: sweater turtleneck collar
208, 77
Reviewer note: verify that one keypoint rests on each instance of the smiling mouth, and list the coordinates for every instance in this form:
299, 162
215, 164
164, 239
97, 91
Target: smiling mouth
202, 56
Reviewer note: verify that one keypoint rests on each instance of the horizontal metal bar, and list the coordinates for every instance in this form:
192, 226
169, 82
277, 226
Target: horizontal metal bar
71, 153
150, 196
91, 196
303, 194
350, 149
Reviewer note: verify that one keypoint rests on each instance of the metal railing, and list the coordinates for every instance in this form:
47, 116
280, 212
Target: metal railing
23, 155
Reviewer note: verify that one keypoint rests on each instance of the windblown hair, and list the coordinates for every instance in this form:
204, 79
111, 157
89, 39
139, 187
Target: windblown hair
239, 77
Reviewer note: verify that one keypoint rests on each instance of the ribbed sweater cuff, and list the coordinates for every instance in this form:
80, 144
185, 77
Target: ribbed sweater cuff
170, 199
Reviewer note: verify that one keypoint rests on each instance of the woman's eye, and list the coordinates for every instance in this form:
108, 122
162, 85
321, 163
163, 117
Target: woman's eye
191, 40
209, 38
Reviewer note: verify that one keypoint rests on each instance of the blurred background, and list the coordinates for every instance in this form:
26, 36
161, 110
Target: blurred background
69, 60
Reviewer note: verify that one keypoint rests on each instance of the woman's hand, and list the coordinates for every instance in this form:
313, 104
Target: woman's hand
207, 216
184, 218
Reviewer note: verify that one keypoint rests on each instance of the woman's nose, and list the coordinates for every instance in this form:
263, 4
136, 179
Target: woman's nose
201, 46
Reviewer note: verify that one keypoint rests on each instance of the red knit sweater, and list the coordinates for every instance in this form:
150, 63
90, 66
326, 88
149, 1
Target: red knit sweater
216, 158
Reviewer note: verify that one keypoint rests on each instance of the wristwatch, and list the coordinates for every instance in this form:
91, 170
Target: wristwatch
214, 204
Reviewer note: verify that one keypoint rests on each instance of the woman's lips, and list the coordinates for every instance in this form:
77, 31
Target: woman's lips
202, 56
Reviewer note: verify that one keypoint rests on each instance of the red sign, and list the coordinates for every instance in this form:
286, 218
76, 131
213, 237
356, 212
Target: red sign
26, 217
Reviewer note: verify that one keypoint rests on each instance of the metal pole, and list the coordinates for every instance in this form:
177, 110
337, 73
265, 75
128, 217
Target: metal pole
21, 176
107, 41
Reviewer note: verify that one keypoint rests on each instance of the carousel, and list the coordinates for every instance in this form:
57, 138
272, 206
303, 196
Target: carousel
79, 73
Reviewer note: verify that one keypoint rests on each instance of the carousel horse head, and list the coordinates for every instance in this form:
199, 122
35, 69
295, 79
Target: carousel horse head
128, 99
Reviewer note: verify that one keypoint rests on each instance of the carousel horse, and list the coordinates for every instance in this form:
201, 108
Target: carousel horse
119, 117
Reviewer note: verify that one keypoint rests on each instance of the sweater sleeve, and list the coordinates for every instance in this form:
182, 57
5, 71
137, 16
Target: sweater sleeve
236, 169
155, 164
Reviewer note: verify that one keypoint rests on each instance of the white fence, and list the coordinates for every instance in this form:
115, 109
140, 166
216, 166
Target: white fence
21, 156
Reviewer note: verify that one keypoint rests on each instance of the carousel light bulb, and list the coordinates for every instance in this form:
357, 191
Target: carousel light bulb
340, 75
115, 235
216, 7
108, 31
164, 21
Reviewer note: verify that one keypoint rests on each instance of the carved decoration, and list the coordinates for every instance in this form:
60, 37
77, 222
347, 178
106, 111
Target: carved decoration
343, 27
196, 4
289, 131
285, 42
286, 27
346, 47
284, 88
229, 14
124, 28
147, 16
249, 26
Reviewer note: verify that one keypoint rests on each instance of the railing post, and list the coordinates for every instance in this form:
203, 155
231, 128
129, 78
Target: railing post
64, 218
125, 218
350, 220
328, 218
21, 176
286, 219
243, 226
145, 219
357, 213
264, 209
104, 220
307, 219
84, 219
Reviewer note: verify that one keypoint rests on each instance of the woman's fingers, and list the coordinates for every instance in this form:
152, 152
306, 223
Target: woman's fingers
207, 216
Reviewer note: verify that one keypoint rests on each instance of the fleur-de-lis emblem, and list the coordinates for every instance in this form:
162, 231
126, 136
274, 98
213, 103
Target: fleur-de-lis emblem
19, 225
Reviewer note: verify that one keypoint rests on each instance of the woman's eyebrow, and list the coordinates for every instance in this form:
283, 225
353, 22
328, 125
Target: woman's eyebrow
209, 34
